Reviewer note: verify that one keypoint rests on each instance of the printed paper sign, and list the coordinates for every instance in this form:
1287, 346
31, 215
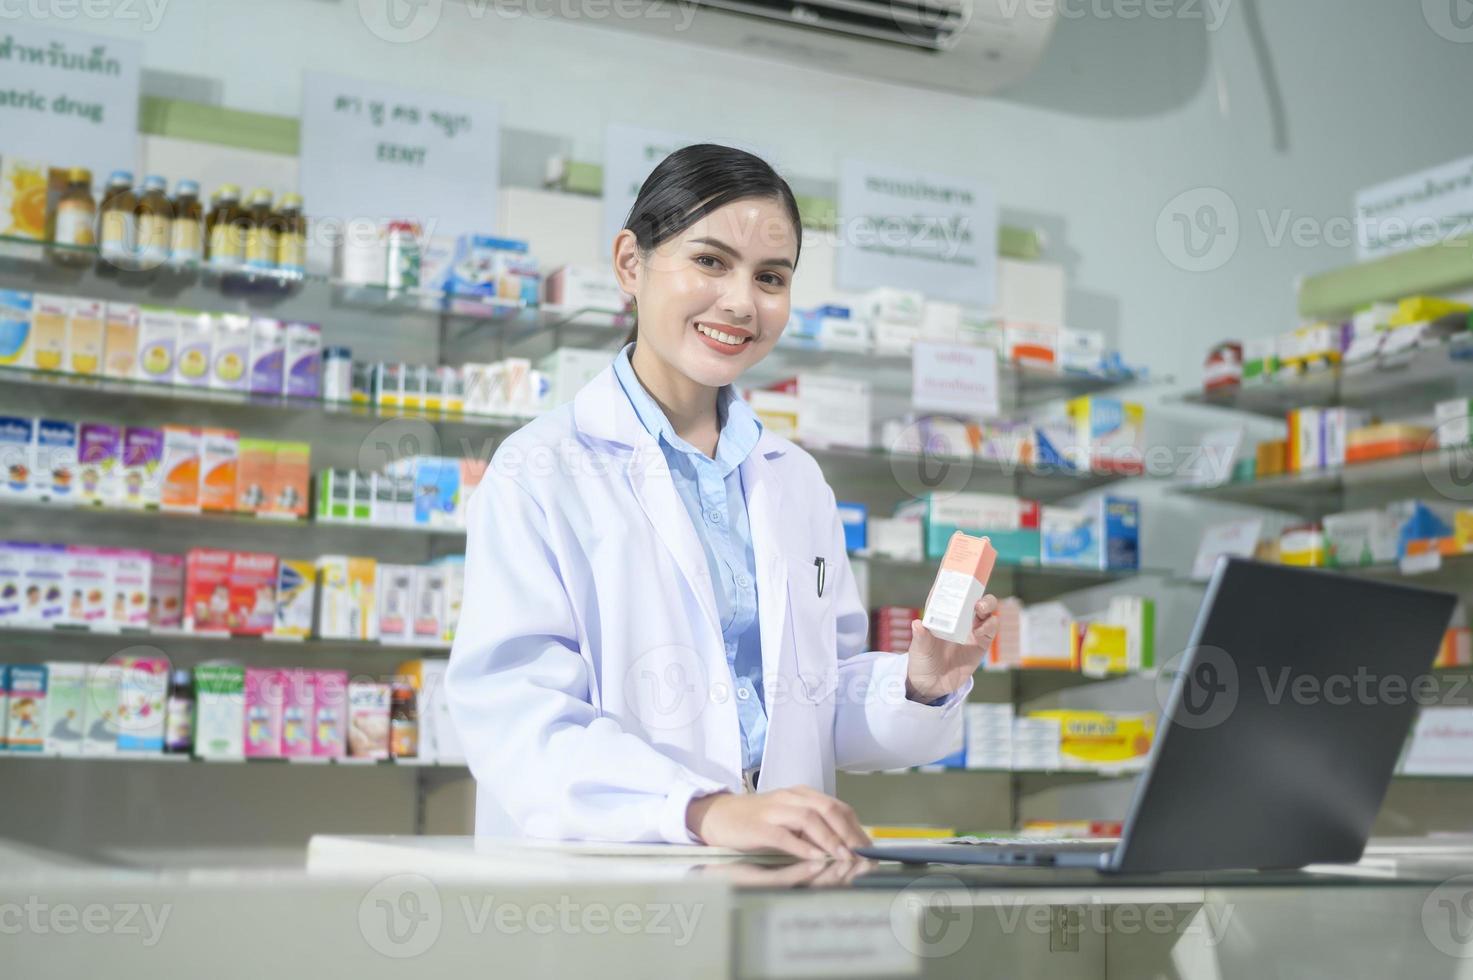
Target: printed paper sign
1415, 211
914, 230
67, 99
1442, 743
631, 153
955, 380
379, 151
1236, 539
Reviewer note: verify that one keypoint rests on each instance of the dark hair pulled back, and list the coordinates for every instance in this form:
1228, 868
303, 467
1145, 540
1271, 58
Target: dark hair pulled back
694, 181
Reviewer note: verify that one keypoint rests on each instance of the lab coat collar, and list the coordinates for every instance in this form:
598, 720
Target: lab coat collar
603, 412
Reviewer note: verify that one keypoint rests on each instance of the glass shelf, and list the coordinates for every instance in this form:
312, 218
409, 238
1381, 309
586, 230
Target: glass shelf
1403, 382
1436, 472
29, 265
157, 758
1031, 583
100, 389
226, 644
281, 536
852, 469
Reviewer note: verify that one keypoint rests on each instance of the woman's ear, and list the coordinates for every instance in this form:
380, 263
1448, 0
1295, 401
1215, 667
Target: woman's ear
626, 261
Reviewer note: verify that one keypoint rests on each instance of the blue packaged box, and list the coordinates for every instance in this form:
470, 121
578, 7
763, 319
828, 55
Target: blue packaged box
25, 728
485, 267
855, 518
1105, 534
1122, 545
15, 328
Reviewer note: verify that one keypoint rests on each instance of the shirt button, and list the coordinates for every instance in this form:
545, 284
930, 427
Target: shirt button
743, 693
743, 581
713, 516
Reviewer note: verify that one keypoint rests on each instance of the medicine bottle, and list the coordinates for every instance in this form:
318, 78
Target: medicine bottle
291, 244
179, 713
403, 722
224, 240
155, 222
261, 231
186, 235
115, 226
76, 219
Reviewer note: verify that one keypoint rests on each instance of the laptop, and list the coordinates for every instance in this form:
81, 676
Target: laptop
1284, 720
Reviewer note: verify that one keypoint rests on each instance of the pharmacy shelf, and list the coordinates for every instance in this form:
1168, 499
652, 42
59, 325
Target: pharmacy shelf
1388, 385
853, 470
889, 371
1443, 473
222, 644
1031, 583
32, 265
304, 537
94, 393
159, 758
857, 471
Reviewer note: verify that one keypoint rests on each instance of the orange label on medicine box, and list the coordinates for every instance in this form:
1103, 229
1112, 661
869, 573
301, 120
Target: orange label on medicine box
970, 556
181, 468
219, 454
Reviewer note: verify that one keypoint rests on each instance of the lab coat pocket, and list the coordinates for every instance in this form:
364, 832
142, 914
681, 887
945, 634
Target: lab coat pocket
812, 616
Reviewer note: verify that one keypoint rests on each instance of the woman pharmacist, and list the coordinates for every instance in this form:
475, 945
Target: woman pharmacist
661, 638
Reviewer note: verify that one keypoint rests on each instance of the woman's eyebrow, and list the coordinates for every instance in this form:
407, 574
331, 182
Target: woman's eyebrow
717, 243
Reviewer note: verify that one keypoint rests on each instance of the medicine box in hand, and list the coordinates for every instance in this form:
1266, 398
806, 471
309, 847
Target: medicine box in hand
959, 584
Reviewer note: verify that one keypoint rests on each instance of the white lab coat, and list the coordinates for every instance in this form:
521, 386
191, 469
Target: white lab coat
589, 682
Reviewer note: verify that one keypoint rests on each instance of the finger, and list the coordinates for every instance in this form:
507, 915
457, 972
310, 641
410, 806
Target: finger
842, 818
985, 632
839, 815
986, 606
816, 828
790, 843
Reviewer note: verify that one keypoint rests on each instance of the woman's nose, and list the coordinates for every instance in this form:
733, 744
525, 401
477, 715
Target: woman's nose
736, 302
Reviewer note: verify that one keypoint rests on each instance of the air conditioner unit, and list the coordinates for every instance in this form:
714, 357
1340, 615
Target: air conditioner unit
969, 46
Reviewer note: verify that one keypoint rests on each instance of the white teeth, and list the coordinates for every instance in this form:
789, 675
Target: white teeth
725, 338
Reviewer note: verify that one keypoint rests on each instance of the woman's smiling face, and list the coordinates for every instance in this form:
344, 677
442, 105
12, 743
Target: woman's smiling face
714, 298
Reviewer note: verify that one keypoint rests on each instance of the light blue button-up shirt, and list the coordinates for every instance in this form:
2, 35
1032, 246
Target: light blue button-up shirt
712, 492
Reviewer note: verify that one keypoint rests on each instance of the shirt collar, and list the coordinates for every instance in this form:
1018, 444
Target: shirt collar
740, 428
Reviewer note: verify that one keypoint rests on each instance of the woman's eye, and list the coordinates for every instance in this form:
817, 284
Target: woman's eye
770, 279
709, 261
